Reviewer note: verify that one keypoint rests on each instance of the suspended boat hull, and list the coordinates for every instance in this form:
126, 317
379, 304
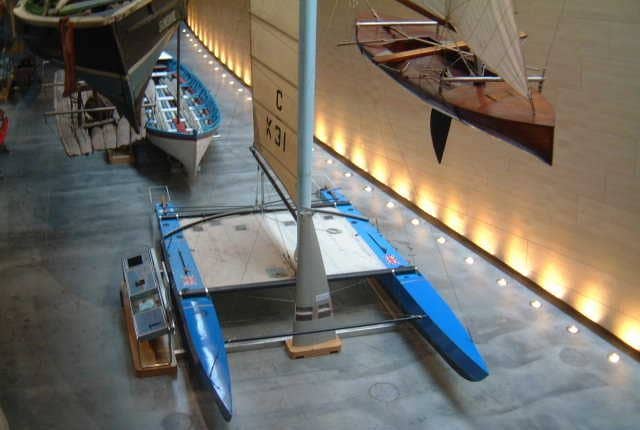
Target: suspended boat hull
113, 54
493, 107
198, 105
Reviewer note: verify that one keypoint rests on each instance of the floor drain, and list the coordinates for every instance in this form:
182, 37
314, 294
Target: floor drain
384, 392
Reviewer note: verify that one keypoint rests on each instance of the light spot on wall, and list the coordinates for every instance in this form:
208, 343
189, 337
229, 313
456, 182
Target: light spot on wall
339, 144
630, 333
484, 238
590, 308
454, 220
380, 170
402, 186
359, 158
552, 281
516, 257
321, 129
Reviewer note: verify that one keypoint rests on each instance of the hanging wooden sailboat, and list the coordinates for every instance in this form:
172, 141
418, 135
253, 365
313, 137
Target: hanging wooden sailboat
188, 138
465, 60
112, 45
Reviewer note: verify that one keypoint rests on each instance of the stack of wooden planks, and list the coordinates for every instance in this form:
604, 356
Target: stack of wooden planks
78, 135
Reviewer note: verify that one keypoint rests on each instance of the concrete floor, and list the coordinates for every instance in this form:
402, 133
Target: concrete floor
65, 363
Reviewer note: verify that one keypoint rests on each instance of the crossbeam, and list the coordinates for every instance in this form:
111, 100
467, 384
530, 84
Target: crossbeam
486, 79
396, 22
289, 282
420, 52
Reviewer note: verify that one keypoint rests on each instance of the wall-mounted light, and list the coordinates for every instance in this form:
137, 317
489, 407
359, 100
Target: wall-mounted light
224, 75
240, 90
210, 61
329, 161
441, 240
501, 282
347, 174
415, 221
249, 98
573, 329
391, 205
614, 358
469, 260
368, 188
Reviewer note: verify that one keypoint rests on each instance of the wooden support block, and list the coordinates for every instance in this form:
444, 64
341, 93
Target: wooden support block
325, 348
122, 155
150, 358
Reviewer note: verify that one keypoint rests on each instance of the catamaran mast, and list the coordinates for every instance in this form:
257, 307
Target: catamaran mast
313, 301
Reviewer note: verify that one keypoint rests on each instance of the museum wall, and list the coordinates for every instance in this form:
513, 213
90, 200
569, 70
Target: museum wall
574, 227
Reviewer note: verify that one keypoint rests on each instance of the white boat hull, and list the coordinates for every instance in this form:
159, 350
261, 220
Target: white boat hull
188, 152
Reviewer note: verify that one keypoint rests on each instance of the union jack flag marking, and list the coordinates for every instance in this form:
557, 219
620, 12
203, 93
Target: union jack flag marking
391, 259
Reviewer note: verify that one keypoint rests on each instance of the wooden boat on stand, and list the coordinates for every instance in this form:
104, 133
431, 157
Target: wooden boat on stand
182, 119
112, 45
87, 122
465, 60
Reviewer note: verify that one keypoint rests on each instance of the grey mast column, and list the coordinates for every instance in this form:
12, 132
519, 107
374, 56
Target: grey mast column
314, 310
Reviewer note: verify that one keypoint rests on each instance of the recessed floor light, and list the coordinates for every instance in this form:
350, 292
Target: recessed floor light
441, 240
573, 329
368, 188
469, 260
415, 221
391, 205
347, 174
614, 357
536, 304
502, 282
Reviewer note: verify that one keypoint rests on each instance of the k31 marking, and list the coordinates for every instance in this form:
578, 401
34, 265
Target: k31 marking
275, 132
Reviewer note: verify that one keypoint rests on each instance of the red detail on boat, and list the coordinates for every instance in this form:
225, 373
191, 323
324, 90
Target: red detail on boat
68, 42
4, 128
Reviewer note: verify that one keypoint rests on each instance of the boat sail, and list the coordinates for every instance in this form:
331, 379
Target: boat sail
489, 29
467, 63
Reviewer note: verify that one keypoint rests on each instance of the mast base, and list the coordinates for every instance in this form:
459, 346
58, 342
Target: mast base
332, 346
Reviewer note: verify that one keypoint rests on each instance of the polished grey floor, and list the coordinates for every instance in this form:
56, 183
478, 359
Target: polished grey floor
64, 360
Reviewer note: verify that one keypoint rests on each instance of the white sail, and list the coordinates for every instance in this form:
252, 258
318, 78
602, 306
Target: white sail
489, 28
274, 71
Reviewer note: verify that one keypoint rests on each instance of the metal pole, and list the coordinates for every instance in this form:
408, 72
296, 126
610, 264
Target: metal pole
178, 99
306, 99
